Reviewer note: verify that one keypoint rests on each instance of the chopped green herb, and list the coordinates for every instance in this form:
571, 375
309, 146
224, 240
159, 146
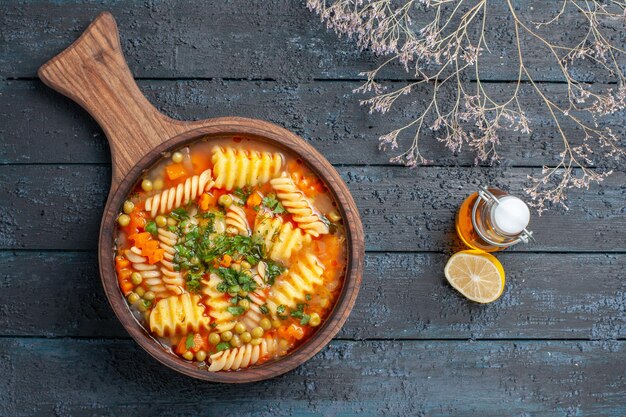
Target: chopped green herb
273, 270
193, 281
280, 309
179, 214
231, 278
243, 193
189, 342
151, 227
222, 346
207, 215
300, 314
308, 297
264, 309
273, 204
236, 310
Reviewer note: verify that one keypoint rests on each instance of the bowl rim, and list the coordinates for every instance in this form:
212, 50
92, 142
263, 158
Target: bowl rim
282, 139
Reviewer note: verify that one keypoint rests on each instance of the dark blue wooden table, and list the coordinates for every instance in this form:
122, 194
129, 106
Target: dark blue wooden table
554, 344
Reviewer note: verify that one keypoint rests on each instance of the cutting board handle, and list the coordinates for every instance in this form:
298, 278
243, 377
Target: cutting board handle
93, 72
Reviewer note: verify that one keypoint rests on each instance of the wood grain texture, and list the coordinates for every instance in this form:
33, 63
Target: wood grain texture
403, 296
277, 39
272, 59
402, 209
452, 378
93, 73
38, 126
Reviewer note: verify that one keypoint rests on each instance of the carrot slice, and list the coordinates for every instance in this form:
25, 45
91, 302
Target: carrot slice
126, 287
156, 256
206, 201
254, 200
181, 348
226, 260
175, 171
140, 239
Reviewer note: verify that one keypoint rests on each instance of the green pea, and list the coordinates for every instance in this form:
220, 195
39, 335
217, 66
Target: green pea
239, 328
149, 295
123, 220
140, 291
128, 206
235, 341
214, 338
227, 335
161, 221
146, 185
315, 320
255, 342
200, 355
276, 323
246, 265
188, 355
157, 184
225, 200
243, 293
234, 289
246, 337
133, 298
257, 332
266, 324
244, 303
136, 278
177, 157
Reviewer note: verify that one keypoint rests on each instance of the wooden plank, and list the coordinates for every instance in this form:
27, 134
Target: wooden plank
59, 207
115, 377
38, 125
258, 39
403, 296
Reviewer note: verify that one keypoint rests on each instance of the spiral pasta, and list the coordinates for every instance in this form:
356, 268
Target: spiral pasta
254, 315
218, 304
238, 168
281, 239
298, 205
151, 274
178, 315
291, 289
172, 279
237, 221
178, 196
242, 357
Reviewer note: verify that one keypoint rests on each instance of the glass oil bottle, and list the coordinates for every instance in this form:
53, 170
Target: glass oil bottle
492, 220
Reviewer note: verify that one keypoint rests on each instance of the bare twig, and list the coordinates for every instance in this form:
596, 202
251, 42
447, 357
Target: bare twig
447, 49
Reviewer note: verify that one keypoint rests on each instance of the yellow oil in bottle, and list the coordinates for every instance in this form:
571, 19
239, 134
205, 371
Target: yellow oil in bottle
491, 220
465, 228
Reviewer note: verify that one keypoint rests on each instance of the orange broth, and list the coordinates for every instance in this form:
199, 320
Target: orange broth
195, 262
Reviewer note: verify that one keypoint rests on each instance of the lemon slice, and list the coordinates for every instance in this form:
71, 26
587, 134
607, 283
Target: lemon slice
477, 275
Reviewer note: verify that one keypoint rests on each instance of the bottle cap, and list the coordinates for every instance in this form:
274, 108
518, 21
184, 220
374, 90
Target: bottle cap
511, 215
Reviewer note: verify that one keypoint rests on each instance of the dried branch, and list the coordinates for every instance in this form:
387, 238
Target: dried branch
448, 49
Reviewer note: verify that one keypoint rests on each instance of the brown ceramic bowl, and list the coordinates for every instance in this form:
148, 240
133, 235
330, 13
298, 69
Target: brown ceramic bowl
93, 72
